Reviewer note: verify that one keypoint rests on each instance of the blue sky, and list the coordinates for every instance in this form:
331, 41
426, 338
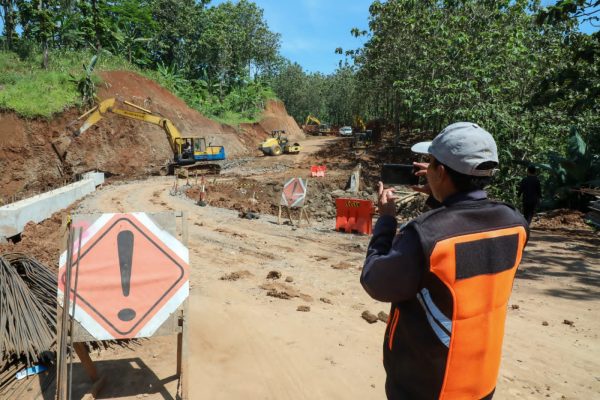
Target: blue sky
311, 30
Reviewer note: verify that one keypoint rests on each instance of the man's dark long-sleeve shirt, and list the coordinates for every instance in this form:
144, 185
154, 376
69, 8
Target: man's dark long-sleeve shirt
531, 189
395, 264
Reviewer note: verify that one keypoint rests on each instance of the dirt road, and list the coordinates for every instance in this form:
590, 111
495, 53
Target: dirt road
246, 344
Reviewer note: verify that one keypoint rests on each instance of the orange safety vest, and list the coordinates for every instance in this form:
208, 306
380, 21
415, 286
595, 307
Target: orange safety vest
446, 342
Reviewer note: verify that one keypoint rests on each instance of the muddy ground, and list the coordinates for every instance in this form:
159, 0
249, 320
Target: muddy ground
276, 310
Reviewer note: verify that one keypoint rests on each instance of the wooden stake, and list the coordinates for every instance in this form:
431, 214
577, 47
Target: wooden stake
95, 390
86, 361
289, 214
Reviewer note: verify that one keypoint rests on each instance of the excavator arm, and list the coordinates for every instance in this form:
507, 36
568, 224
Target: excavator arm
108, 105
359, 125
310, 118
311, 125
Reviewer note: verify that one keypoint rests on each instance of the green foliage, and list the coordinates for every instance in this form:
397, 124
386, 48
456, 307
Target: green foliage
244, 103
43, 93
214, 58
430, 63
578, 168
34, 92
86, 85
565, 10
235, 40
332, 98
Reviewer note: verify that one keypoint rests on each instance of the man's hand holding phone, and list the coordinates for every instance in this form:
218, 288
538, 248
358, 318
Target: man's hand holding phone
421, 170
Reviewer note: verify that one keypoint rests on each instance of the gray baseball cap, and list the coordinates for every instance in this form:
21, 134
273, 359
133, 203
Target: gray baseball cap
462, 146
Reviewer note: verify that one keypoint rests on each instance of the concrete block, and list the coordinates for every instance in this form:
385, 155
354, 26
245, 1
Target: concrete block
14, 217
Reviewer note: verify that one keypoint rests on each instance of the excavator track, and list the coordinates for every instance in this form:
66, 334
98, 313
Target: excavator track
201, 168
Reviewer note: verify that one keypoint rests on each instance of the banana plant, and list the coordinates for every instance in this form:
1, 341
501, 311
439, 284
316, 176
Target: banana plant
85, 85
580, 168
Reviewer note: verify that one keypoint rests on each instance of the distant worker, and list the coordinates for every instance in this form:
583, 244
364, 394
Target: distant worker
448, 273
530, 190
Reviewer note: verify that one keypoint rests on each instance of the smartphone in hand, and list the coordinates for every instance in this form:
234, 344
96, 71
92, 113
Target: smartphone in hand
399, 174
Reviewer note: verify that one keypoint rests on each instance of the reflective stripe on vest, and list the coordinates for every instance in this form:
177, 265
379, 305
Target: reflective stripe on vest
441, 325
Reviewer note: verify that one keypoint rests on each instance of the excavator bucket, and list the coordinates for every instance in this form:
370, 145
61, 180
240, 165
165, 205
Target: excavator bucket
60, 146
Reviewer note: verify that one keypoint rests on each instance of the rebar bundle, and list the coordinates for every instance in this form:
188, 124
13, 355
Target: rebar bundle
27, 313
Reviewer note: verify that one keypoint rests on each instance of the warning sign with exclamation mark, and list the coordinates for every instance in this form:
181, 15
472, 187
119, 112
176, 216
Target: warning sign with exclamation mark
132, 276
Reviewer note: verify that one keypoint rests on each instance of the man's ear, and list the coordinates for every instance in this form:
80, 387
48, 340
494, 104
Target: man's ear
441, 172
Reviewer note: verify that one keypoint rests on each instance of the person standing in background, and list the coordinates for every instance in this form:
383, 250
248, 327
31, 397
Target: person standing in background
530, 190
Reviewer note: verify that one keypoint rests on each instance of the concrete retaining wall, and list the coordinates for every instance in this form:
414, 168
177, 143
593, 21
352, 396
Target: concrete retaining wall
14, 216
97, 177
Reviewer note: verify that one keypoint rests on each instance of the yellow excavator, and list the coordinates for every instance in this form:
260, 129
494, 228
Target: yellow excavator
190, 152
311, 125
278, 144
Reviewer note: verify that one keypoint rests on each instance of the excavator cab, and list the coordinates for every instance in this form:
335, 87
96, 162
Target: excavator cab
192, 149
187, 151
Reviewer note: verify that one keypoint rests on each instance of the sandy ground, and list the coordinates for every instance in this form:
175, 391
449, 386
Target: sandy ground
245, 344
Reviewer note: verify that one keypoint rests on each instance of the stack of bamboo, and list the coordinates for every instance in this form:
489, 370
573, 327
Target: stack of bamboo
27, 315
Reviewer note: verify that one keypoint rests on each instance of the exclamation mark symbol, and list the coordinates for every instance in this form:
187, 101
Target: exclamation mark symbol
125, 248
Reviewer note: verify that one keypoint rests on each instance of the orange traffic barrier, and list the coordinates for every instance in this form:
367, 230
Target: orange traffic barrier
318, 170
354, 215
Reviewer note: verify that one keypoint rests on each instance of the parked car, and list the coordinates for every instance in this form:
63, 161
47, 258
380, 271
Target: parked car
346, 131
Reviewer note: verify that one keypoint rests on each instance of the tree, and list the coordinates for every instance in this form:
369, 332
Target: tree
132, 28
235, 42
429, 63
9, 21
178, 24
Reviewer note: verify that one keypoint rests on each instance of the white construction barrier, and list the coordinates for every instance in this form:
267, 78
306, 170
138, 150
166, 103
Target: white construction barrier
14, 216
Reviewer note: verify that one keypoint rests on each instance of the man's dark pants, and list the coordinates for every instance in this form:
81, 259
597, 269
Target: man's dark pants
529, 210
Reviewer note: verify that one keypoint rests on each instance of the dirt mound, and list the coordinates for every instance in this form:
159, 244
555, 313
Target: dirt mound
130, 86
561, 220
27, 161
42, 241
130, 148
275, 117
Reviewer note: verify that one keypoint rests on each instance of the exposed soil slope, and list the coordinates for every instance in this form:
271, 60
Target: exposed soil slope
119, 146
275, 117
